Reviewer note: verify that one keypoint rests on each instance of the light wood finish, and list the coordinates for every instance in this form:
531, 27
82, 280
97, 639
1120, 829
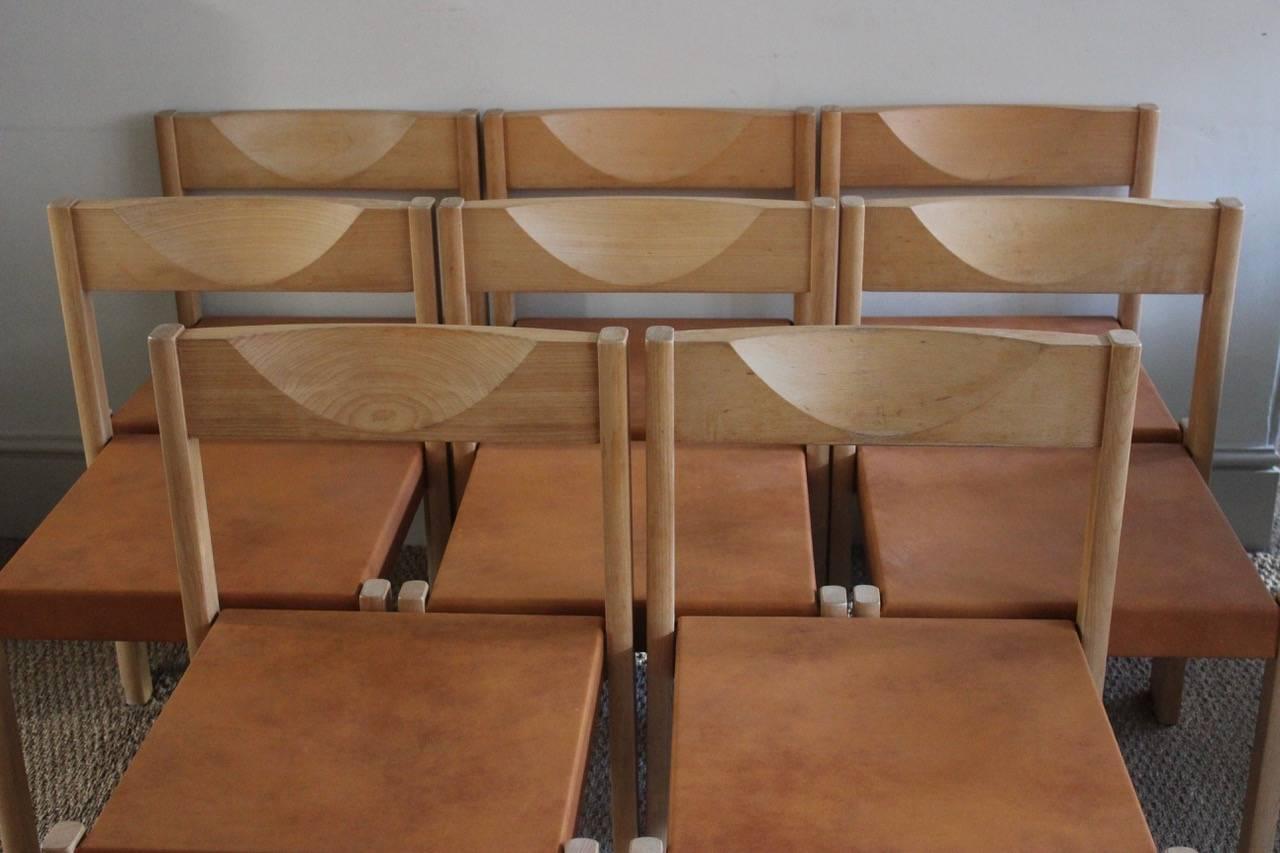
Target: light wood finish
882, 386
620, 650
843, 457
660, 568
1168, 677
375, 595
63, 837
412, 597
651, 148
184, 481
1106, 506
1026, 244
188, 302
1262, 798
17, 816
866, 601
833, 602
1144, 172
581, 845
495, 187
135, 672
983, 145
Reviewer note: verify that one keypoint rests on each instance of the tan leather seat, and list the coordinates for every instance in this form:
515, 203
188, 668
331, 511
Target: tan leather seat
997, 532
300, 731
527, 535
635, 344
893, 734
296, 525
1152, 420
138, 414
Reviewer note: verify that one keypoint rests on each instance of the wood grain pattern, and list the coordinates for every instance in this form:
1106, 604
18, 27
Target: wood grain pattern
327, 149
1023, 244
910, 386
657, 148
390, 382
979, 145
1129, 310
244, 243
649, 244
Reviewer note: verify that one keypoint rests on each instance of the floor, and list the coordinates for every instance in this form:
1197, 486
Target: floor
79, 737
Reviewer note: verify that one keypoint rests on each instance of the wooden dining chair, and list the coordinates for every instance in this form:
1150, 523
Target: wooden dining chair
887, 734
520, 541
301, 525
1186, 585
296, 730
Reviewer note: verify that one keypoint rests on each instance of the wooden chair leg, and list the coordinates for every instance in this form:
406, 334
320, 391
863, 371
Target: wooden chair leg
413, 597
375, 595
134, 667
17, 816
1262, 798
866, 601
833, 602
1167, 678
581, 845
646, 845
64, 837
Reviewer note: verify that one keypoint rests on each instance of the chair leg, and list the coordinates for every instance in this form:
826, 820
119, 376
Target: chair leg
17, 816
833, 602
646, 845
413, 597
866, 601
1262, 799
65, 837
1167, 678
375, 595
581, 845
134, 667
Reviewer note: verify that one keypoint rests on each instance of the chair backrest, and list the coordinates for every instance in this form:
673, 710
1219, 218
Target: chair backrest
322, 150
244, 243
1038, 244
992, 145
630, 244
881, 385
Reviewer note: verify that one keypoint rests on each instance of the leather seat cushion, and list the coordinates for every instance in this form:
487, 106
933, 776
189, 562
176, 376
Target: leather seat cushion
138, 414
298, 731
1152, 420
528, 537
893, 734
1000, 532
636, 328
294, 525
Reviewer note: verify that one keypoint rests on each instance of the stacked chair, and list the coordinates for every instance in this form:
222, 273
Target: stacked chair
989, 458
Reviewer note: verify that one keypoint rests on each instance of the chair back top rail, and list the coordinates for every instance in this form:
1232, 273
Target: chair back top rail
651, 148
390, 382
988, 145
391, 150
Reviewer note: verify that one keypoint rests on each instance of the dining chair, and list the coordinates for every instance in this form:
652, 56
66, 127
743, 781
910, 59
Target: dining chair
878, 734
298, 730
520, 541
1186, 586
984, 147
301, 525
387, 151
734, 152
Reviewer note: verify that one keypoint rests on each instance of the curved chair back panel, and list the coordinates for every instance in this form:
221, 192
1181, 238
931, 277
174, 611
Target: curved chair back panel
244, 243
909, 386
1039, 245
319, 150
390, 382
985, 145
650, 148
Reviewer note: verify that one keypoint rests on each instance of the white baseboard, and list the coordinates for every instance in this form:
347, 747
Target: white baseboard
35, 471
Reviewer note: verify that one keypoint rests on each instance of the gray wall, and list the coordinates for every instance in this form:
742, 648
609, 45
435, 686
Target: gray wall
79, 81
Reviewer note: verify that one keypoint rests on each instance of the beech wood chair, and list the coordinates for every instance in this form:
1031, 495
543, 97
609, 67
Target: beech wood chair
520, 540
418, 153
100, 565
737, 152
296, 730
1186, 587
967, 721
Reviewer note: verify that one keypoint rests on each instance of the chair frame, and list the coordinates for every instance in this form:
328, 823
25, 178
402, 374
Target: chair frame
134, 264
758, 386
727, 264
